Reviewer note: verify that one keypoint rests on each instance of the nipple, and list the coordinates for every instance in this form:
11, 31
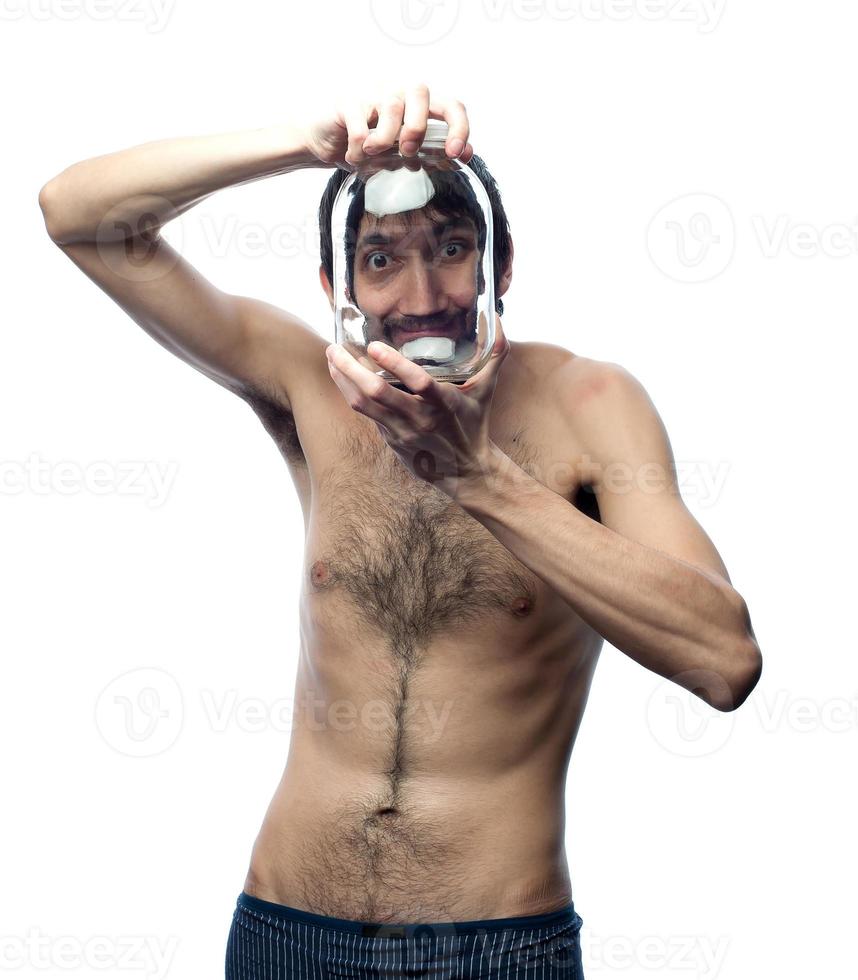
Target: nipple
522, 606
319, 573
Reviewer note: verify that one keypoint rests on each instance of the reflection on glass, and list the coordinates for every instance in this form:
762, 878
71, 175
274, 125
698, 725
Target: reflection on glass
413, 262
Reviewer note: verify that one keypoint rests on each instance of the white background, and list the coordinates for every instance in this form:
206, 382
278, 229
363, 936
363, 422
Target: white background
691, 836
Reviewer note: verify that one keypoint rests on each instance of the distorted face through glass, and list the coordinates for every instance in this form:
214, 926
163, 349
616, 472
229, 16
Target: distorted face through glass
416, 279
414, 256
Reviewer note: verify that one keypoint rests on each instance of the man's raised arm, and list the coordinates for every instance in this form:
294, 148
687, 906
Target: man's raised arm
106, 214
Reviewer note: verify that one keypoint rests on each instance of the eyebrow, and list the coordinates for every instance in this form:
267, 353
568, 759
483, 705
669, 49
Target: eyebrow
379, 238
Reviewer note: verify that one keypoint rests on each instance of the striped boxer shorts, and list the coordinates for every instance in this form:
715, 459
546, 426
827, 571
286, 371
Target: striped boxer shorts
275, 942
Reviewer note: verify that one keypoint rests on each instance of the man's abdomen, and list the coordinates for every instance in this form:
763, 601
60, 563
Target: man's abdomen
336, 844
425, 794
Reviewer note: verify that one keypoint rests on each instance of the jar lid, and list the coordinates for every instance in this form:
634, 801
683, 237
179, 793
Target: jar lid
437, 131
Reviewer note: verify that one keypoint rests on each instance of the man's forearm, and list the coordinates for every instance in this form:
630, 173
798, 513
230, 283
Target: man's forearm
672, 617
162, 179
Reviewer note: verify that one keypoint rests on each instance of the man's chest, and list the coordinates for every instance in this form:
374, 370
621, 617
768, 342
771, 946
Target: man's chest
382, 540
321, 435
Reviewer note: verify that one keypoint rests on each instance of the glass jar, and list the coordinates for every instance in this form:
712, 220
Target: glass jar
413, 261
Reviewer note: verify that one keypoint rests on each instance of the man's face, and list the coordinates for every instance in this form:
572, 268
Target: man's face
418, 277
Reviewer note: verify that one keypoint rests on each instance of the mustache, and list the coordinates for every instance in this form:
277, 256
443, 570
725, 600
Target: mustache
438, 322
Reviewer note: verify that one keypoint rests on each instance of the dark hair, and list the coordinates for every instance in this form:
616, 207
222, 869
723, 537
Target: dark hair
502, 243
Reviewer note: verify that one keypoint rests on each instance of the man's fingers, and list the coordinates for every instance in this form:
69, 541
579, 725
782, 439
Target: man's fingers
386, 132
418, 380
369, 393
456, 117
414, 120
355, 118
375, 126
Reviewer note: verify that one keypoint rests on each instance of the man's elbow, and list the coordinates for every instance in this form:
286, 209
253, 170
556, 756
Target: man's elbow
745, 669
51, 205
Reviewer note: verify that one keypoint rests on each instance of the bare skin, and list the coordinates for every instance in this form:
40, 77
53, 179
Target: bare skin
441, 682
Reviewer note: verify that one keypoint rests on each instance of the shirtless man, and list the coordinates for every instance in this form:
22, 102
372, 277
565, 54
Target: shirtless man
450, 624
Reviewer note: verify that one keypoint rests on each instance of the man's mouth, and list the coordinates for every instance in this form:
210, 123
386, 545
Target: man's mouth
401, 335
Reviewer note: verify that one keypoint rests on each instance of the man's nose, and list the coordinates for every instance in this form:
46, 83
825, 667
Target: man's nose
421, 294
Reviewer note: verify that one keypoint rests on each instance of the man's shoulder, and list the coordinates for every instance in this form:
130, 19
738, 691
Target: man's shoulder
575, 377
599, 402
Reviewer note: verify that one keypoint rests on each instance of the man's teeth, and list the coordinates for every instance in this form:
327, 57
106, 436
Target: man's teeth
430, 348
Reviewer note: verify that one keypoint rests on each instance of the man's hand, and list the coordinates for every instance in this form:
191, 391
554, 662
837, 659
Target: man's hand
341, 140
441, 430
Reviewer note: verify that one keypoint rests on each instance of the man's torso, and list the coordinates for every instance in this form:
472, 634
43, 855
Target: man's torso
440, 683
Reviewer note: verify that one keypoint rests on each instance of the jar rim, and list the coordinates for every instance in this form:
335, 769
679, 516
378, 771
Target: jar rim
437, 131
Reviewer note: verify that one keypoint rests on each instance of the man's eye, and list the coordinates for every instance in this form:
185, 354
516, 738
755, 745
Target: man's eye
370, 260
448, 250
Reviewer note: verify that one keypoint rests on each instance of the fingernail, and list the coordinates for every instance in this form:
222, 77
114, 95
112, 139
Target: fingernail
456, 147
409, 146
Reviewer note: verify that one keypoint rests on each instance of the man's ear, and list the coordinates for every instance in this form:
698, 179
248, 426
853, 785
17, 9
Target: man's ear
506, 277
326, 285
